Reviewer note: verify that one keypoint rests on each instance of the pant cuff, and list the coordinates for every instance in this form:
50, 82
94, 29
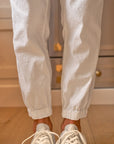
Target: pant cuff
38, 114
74, 115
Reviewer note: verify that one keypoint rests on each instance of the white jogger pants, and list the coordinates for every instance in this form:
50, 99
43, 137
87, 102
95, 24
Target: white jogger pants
81, 20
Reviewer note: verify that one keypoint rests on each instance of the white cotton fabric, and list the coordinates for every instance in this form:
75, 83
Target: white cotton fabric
81, 21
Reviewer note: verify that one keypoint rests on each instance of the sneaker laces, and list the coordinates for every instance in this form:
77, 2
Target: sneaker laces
41, 135
72, 137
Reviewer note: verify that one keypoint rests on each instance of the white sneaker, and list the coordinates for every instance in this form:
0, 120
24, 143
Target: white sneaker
71, 135
43, 135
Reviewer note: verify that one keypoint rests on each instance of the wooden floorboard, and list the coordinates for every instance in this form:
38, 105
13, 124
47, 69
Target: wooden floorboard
98, 126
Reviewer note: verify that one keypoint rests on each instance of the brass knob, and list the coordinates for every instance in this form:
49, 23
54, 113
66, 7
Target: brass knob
59, 68
58, 47
98, 73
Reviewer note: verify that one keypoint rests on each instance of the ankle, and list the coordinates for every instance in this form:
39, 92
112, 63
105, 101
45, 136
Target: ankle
43, 120
69, 121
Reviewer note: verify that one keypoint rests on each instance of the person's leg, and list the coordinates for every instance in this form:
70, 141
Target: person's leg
81, 20
30, 19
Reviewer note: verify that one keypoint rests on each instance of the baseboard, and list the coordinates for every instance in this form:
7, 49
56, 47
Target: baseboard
10, 96
99, 97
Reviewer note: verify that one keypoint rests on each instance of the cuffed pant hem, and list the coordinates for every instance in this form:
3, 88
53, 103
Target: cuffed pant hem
38, 114
74, 115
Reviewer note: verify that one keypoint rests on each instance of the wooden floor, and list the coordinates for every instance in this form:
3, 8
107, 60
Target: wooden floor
98, 126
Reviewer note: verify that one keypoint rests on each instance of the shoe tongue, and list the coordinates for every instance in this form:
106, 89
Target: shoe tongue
71, 127
42, 126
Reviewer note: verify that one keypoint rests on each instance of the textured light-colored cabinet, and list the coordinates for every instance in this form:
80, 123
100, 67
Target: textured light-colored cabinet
9, 84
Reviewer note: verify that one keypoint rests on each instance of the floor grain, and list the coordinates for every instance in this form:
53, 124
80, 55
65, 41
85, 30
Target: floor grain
98, 126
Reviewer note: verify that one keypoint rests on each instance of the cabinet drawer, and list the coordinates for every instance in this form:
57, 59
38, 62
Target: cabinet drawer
55, 42
7, 56
104, 72
56, 72
105, 67
107, 35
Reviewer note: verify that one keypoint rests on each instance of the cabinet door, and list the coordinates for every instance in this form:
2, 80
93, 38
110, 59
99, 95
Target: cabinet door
56, 42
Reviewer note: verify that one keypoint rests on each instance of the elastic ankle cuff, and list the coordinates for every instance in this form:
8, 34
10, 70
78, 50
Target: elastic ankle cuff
74, 115
38, 114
